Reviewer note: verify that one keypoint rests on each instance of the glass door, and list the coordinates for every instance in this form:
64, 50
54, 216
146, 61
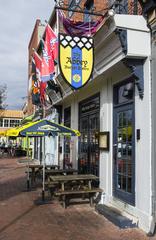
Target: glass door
67, 163
88, 145
124, 147
94, 144
88, 142
83, 146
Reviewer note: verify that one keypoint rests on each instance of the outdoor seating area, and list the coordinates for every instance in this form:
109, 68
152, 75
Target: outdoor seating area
65, 184
12, 151
75, 186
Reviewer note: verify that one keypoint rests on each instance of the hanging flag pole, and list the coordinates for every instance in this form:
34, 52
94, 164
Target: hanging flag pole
58, 30
35, 75
53, 39
57, 27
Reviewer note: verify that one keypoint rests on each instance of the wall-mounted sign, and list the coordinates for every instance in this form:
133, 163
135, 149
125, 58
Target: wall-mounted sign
104, 141
76, 59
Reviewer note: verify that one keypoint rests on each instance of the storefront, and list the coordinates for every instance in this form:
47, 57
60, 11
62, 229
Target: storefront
115, 101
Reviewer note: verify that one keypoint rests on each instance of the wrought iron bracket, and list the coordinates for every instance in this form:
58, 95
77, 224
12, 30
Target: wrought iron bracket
119, 7
74, 7
136, 67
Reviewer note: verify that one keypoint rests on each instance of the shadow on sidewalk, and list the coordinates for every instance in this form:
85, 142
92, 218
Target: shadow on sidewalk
17, 218
12, 188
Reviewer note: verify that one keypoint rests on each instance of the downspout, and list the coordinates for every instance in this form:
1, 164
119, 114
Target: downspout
153, 196
152, 217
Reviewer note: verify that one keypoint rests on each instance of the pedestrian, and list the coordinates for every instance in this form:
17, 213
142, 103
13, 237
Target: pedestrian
3, 147
10, 148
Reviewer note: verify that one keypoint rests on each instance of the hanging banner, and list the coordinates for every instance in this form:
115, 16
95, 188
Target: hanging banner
76, 59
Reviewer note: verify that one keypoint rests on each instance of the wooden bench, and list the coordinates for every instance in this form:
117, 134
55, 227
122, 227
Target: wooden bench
89, 193
50, 184
33, 174
51, 187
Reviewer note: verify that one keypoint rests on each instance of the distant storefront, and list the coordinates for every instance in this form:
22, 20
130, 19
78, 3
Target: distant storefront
9, 119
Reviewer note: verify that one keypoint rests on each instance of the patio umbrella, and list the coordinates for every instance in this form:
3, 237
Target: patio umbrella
44, 128
15, 132
41, 128
2, 133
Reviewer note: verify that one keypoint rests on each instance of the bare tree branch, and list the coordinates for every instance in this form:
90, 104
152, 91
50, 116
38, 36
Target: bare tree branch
3, 95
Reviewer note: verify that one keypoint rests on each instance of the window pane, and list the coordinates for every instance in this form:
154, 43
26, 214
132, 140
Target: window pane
121, 182
120, 119
1, 122
14, 122
124, 150
6, 123
129, 188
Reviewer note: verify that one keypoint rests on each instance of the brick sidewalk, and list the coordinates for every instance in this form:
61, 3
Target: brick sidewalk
20, 218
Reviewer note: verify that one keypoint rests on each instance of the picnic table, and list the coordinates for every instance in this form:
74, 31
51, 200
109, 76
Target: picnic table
35, 169
52, 172
75, 185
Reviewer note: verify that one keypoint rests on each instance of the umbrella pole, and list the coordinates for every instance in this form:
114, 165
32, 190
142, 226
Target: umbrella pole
28, 177
43, 183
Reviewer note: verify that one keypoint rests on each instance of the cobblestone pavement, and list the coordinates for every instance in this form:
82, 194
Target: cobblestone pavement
22, 219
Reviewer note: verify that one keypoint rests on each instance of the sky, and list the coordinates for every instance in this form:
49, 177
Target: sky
17, 21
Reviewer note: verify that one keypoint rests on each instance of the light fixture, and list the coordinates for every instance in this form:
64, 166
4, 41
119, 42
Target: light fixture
111, 12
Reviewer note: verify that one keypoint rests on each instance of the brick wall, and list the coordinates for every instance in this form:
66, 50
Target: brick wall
101, 6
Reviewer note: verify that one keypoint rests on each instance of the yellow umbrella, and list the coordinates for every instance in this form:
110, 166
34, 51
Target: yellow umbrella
2, 133
45, 128
14, 132
41, 128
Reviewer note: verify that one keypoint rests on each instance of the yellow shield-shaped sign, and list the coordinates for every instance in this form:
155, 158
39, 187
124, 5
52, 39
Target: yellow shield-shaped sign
76, 59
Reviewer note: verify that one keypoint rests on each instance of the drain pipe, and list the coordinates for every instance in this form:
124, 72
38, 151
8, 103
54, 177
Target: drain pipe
153, 139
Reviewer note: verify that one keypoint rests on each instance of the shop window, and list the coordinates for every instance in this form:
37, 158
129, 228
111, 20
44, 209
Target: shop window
1, 122
6, 122
14, 122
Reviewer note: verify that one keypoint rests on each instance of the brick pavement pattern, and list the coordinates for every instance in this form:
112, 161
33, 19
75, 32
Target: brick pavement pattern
22, 219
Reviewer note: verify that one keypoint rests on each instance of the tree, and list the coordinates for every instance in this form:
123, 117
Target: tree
3, 89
